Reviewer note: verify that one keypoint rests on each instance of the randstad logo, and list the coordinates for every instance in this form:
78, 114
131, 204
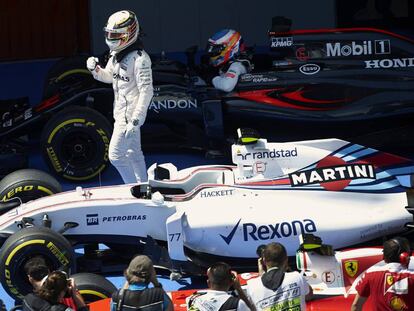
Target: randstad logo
279, 230
269, 154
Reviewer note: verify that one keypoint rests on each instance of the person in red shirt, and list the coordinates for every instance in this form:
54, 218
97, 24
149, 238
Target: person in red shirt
390, 287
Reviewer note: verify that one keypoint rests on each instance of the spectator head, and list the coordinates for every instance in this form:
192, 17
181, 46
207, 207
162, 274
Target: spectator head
140, 270
393, 248
219, 276
36, 269
54, 287
274, 255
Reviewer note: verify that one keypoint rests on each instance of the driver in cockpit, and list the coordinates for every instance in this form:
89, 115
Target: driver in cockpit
225, 50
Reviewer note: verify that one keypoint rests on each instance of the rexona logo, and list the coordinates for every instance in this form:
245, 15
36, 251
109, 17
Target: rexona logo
173, 104
269, 154
335, 173
273, 231
309, 69
281, 42
390, 63
358, 48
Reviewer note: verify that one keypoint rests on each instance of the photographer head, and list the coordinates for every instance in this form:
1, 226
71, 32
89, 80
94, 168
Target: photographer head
220, 277
274, 255
36, 269
397, 250
140, 270
54, 287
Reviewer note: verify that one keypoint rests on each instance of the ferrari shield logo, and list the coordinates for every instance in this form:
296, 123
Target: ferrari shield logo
351, 267
390, 279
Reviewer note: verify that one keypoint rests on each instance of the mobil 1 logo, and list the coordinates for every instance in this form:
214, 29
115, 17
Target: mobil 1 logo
358, 48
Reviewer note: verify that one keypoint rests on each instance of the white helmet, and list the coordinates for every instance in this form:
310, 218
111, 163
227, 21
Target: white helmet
121, 30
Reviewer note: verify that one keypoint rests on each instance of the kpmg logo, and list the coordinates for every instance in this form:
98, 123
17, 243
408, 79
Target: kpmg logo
92, 220
278, 230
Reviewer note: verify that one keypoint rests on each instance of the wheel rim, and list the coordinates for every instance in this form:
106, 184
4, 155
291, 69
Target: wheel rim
79, 149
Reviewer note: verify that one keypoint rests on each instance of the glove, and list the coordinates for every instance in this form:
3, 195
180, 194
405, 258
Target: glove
91, 63
131, 130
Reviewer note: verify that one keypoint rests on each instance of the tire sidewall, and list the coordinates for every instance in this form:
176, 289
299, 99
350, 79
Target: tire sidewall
93, 287
83, 122
26, 244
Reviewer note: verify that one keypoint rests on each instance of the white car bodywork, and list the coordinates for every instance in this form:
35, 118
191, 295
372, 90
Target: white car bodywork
275, 192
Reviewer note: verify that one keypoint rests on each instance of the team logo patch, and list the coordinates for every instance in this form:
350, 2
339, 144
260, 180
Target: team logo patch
396, 303
390, 279
351, 267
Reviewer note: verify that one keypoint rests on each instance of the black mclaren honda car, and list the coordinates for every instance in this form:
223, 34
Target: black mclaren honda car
354, 84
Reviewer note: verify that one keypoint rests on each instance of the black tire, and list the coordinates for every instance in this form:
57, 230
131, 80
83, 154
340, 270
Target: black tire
75, 143
93, 287
28, 184
25, 244
66, 72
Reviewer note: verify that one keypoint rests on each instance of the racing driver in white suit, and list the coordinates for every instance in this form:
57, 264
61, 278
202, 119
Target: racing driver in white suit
129, 71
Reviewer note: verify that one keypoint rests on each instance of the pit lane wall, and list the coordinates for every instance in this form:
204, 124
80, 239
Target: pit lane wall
173, 25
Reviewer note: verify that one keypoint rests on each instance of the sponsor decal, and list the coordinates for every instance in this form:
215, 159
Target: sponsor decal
92, 220
281, 63
216, 193
168, 104
259, 167
328, 277
117, 76
271, 231
54, 159
14, 191
358, 48
58, 254
332, 173
288, 299
230, 75
123, 218
309, 69
269, 154
351, 267
302, 54
389, 63
257, 78
281, 42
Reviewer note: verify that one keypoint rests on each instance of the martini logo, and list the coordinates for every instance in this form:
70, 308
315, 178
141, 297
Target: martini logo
333, 174
269, 154
279, 230
351, 267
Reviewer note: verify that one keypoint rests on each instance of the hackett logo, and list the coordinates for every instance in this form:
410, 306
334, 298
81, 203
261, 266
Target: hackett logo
335, 173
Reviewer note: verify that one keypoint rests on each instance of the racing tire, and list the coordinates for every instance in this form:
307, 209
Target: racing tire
27, 185
75, 143
93, 287
25, 244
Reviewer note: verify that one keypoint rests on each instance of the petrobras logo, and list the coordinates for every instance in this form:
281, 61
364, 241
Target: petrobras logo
279, 230
170, 104
389, 63
92, 220
269, 154
358, 48
330, 174
281, 42
309, 69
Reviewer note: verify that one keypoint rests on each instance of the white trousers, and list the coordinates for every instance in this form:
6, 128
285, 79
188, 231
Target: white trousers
126, 155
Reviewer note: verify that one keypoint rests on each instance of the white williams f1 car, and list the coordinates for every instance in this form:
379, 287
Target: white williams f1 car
345, 193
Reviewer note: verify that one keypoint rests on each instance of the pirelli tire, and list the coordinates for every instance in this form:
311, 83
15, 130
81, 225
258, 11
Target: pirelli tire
93, 287
27, 185
28, 243
75, 143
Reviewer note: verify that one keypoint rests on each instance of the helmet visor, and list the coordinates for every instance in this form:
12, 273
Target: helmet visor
114, 35
214, 49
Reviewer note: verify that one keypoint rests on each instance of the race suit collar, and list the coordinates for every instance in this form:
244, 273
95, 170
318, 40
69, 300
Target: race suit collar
136, 46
